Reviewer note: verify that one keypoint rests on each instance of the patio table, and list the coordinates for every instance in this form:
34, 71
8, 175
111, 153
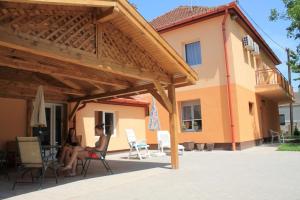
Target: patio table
52, 149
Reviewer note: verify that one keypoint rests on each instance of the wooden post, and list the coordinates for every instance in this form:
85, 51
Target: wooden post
74, 110
28, 121
173, 128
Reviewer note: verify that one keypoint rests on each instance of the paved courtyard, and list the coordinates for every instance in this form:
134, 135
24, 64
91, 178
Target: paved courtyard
259, 173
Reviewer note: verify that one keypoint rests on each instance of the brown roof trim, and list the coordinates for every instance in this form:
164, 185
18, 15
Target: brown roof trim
218, 12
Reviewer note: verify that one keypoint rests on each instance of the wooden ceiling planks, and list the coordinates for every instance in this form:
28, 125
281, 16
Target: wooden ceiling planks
67, 47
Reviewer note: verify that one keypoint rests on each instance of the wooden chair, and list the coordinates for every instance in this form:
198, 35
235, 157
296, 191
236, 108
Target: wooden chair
30, 153
98, 155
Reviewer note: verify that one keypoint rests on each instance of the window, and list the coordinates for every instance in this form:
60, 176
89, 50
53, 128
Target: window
282, 119
193, 53
191, 116
251, 108
107, 118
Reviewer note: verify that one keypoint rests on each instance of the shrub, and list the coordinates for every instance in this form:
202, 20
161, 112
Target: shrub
296, 132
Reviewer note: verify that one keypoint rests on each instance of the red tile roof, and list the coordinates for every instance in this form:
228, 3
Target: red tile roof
179, 14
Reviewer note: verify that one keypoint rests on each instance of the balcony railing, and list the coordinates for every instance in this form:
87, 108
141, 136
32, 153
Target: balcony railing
266, 77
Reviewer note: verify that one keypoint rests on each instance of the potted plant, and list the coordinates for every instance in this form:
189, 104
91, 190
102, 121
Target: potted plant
189, 146
200, 146
210, 146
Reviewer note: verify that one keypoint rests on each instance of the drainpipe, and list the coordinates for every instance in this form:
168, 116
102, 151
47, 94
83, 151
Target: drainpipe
228, 85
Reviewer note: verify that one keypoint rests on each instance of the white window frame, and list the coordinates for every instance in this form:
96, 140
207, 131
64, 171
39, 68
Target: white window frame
114, 122
184, 52
191, 104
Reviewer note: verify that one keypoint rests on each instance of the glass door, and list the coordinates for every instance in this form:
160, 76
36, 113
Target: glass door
52, 134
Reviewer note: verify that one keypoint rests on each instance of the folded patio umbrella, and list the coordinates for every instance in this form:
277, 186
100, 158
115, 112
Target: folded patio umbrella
38, 117
154, 123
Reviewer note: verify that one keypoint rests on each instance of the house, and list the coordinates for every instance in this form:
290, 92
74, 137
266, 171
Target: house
284, 114
86, 55
235, 101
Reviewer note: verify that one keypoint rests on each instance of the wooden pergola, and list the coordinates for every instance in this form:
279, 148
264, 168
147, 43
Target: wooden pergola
85, 51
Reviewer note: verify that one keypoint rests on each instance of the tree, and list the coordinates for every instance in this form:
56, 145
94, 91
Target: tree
291, 14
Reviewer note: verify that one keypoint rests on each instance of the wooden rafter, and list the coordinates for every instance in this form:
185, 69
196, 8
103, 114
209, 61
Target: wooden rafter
69, 55
12, 84
66, 82
26, 93
116, 94
60, 72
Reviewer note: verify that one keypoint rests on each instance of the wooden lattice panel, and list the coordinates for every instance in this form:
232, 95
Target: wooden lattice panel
69, 28
117, 47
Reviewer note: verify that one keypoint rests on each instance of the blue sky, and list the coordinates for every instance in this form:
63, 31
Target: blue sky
259, 10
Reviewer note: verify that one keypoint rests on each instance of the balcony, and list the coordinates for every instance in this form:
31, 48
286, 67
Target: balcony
270, 83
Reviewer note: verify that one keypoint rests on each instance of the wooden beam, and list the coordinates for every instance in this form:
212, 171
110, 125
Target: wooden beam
73, 113
163, 95
158, 98
173, 128
95, 77
29, 108
25, 93
80, 3
66, 82
149, 32
116, 94
70, 55
12, 84
108, 15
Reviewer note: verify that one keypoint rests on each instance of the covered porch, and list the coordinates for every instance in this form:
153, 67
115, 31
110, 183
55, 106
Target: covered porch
85, 52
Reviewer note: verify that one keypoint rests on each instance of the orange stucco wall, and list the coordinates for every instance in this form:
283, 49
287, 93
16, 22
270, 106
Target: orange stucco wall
242, 62
125, 117
215, 120
211, 87
211, 72
12, 120
214, 111
252, 126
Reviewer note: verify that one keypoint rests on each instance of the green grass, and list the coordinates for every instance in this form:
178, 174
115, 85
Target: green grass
289, 147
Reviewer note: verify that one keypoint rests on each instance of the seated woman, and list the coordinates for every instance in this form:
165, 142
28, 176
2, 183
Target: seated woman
70, 143
82, 153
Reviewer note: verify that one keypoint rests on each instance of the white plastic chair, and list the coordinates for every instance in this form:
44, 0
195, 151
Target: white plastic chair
164, 141
134, 145
274, 135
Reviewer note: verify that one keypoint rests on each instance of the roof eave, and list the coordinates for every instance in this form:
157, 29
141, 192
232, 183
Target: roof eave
149, 31
89, 3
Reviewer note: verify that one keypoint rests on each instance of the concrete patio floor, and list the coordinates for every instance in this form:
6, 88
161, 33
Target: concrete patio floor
259, 173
